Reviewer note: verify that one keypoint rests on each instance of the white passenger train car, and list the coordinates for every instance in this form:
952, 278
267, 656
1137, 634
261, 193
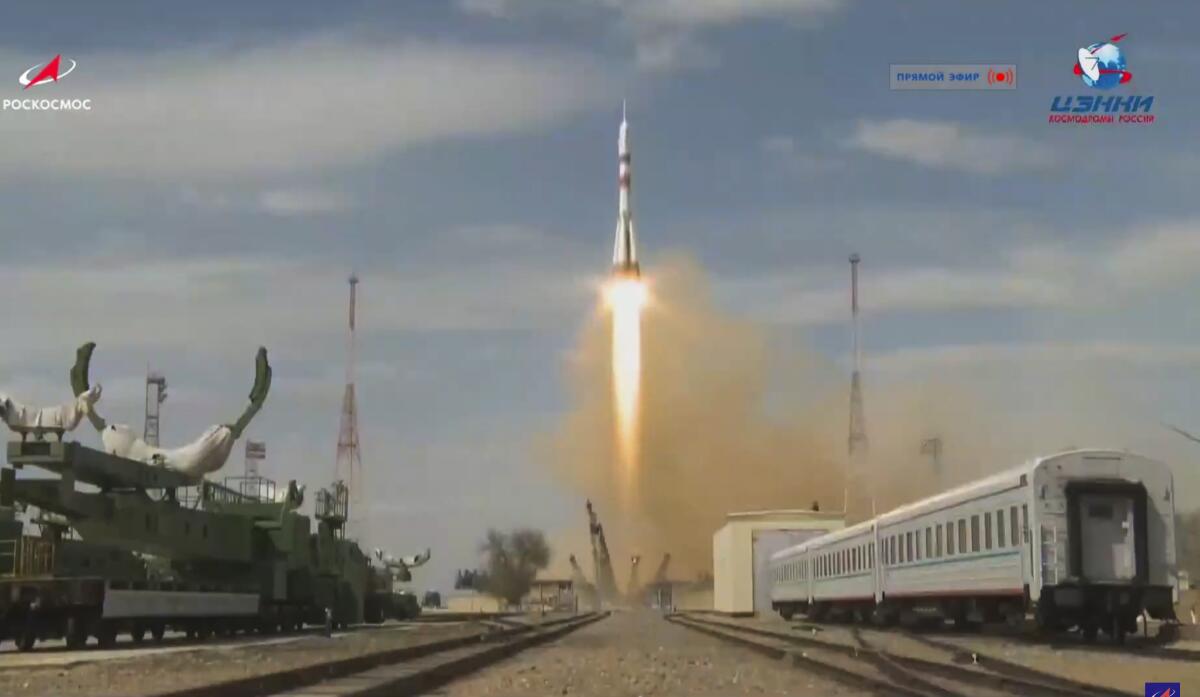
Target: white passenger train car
1085, 538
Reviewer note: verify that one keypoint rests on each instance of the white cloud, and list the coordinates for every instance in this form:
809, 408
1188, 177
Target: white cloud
1030, 276
292, 106
1025, 355
715, 12
949, 145
514, 279
667, 34
299, 202
668, 51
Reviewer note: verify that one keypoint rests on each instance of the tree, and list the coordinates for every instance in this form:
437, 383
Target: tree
512, 561
469, 579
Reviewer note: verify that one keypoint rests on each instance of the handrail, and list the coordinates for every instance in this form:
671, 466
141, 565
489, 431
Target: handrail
28, 556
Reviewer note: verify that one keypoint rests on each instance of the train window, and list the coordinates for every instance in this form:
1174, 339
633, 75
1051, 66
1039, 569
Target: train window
928, 543
974, 533
1024, 519
908, 546
892, 549
962, 536
1000, 528
917, 545
987, 531
871, 557
1012, 526
938, 536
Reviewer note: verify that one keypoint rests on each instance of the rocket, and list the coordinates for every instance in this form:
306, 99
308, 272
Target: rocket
625, 248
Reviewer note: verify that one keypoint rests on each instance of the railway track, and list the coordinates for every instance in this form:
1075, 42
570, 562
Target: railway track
865, 665
1166, 653
396, 672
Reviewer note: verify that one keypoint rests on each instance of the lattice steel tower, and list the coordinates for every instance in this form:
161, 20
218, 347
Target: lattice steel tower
857, 441
349, 457
156, 394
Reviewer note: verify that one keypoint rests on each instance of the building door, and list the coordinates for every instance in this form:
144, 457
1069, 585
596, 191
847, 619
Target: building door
766, 543
1107, 536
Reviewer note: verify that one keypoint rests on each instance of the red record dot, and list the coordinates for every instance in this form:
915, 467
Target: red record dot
999, 77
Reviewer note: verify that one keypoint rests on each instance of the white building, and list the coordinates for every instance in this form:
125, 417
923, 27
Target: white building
743, 547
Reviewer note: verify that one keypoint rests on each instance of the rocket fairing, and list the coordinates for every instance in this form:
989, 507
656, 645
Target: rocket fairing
625, 248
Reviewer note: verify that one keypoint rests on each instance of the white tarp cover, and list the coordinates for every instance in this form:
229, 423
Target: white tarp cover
207, 453
22, 418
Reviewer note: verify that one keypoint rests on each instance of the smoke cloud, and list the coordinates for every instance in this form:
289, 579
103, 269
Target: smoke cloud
735, 419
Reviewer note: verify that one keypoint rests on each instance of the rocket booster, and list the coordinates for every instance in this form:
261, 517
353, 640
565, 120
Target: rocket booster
625, 248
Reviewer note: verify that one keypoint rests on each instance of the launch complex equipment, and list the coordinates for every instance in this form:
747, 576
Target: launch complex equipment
606, 582
137, 547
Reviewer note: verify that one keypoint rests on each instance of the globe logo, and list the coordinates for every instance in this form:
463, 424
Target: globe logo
1102, 65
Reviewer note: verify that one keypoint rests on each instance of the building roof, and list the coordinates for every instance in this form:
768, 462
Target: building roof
784, 514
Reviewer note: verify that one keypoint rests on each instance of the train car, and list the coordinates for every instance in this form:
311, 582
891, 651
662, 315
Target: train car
1085, 539
832, 572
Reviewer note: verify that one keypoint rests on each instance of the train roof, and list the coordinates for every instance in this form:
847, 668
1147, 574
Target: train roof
844, 533
980, 487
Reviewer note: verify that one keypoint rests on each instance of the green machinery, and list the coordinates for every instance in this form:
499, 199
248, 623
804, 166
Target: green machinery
135, 540
139, 548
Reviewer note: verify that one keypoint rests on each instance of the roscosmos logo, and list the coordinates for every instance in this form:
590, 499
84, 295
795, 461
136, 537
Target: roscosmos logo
49, 73
41, 74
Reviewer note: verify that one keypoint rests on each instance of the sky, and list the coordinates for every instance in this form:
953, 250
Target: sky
242, 159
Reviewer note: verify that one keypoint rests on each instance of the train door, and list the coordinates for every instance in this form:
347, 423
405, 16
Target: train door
1107, 537
766, 543
1107, 532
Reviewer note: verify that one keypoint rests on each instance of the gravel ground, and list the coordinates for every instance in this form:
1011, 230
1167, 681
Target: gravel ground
140, 674
1123, 671
638, 654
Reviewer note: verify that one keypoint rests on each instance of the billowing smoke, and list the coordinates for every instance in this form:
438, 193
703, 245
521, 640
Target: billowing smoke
734, 418
730, 422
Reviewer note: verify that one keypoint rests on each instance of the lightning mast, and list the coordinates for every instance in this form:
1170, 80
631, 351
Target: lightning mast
857, 441
156, 394
349, 459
